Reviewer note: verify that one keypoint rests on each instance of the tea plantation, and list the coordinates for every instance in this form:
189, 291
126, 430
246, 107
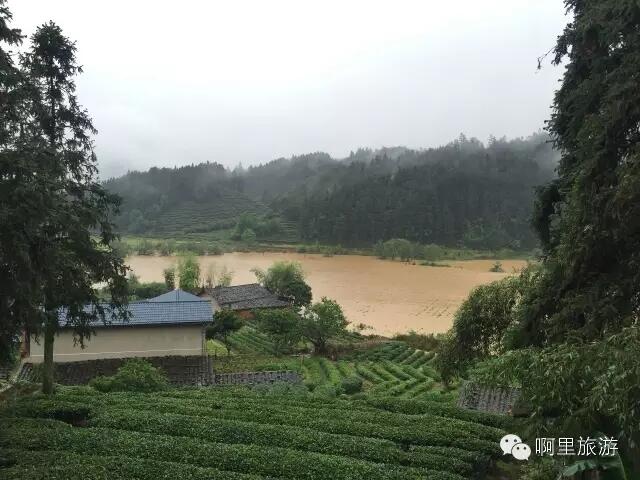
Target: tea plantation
223, 433
388, 369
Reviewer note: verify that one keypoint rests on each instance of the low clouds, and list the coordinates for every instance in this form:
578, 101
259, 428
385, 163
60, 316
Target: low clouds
176, 83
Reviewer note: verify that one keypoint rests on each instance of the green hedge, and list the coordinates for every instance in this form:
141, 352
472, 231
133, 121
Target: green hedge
254, 459
135, 375
60, 465
386, 411
405, 429
234, 431
392, 411
365, 372
416, 407
246, 433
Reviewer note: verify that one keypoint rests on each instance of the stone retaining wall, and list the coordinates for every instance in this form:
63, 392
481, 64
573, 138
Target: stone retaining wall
187, 370
488, 399
255, 378
180, 371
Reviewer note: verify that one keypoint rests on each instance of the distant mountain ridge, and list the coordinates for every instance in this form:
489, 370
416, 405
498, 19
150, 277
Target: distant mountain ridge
461, 193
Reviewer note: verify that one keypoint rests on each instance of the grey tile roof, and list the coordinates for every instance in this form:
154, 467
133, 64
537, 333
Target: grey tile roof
245, 297
157, 313
176, 296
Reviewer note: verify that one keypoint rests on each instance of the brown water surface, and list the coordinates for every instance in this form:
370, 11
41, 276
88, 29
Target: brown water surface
389, 296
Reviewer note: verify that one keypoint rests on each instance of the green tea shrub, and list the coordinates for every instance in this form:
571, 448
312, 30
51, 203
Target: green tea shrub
352, 384
327, 390
136, 375
280, 388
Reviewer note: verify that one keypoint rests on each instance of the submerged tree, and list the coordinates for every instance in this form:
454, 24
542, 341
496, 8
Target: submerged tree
189, 273
286, 279
169, 275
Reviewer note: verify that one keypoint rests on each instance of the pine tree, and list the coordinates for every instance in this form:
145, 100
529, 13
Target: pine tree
70, 245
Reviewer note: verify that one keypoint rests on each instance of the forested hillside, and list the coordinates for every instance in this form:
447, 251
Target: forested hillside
465, 193
179, 201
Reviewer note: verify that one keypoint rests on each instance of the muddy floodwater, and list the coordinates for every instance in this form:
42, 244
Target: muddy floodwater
390, 296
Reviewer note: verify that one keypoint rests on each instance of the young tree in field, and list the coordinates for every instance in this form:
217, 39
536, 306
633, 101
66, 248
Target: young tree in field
321, 322
189, 273
225, 322
66, 211
282, 326
286, 279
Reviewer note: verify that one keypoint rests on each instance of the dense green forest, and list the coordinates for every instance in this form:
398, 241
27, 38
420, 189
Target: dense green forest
465, 193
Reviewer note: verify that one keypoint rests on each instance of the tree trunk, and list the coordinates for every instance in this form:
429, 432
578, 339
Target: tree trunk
47, 371
320, 347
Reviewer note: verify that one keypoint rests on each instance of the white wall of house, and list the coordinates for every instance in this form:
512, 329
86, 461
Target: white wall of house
124, 342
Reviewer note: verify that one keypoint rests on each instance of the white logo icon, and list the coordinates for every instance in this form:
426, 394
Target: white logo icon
507, 443
521, 451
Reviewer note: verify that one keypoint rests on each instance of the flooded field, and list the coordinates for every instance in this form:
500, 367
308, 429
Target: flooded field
389, 296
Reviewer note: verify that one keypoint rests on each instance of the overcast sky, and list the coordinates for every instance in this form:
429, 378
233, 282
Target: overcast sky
174, 83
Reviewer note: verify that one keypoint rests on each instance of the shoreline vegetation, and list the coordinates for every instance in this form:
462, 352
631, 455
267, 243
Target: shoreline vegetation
394, 249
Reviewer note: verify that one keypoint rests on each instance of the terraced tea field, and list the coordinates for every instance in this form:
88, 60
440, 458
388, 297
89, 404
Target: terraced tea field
221, 433
388, 369
248, 340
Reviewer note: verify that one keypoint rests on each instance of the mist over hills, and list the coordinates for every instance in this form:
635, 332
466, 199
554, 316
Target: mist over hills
464, 193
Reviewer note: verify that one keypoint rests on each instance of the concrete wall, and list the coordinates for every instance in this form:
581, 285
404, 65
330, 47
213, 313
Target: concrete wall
124, 342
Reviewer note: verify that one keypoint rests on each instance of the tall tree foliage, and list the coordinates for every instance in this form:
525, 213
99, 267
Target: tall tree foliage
10, 78
11, 97
74, 260
482, 324
578, 320
56, 217
463, 193
589, 219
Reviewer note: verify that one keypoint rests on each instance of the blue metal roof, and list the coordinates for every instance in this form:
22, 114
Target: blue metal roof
176, 296
157, 313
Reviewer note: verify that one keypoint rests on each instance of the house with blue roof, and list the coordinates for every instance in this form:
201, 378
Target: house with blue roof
170, 324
